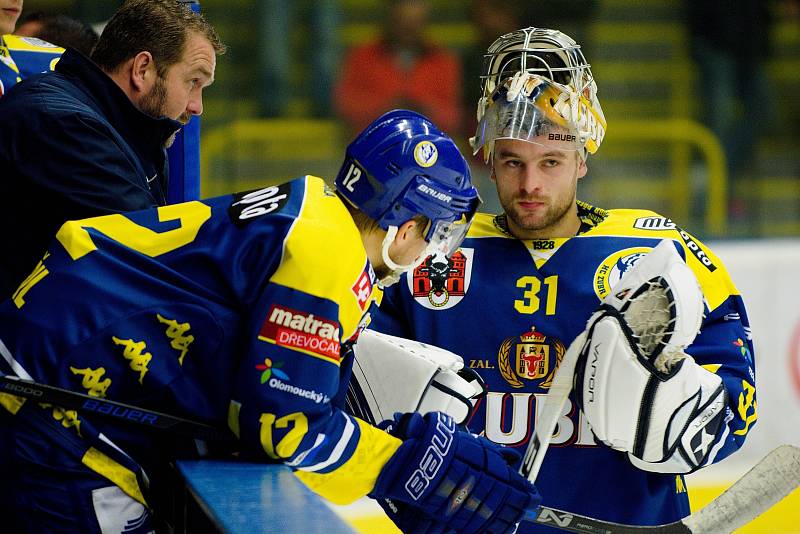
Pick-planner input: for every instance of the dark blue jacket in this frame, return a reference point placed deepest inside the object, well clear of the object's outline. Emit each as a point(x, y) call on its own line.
point(72, 145)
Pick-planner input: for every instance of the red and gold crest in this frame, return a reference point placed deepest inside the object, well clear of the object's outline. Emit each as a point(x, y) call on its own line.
point(535, 357)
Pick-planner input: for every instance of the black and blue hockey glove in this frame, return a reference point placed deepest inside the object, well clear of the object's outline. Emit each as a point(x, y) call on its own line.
point(456, 480)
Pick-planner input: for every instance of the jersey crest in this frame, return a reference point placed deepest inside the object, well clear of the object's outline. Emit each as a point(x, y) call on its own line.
point(530, 356)
point(439, 283)
point(614, 266)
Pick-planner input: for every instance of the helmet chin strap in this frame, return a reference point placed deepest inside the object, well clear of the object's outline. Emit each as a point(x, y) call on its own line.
point(395, 269)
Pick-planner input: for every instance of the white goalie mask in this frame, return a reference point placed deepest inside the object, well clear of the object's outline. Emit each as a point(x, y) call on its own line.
point(538, 87)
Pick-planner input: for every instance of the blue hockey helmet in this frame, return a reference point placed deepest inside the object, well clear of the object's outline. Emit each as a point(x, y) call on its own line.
point(401, 166)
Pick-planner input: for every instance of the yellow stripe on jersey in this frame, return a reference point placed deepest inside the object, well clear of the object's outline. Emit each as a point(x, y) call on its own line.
point(707, 267)
point(75, 238)
point(113, 471)
point(27, 44)
point(323, 254)
point(483, 226)
point(358, 475)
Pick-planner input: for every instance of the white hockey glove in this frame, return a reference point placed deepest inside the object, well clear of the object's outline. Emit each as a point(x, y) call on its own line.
point(392, 374)
point(640, 391)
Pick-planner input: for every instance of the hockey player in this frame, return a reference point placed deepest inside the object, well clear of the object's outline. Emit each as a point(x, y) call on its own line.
point(235, 310)
point(525, 282)
point(21, 57)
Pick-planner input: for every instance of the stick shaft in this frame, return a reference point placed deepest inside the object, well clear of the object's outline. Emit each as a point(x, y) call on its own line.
point(107, 408)
point(769, 481)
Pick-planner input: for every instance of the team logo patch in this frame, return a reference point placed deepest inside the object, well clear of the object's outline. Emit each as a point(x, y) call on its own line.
point(302, 331)
point(362, 289)
point(426, 154)
point(268, 369)
point(654, 223)
point(439, 283)
point(251, 204)
point(614, 266)
point(530, 356)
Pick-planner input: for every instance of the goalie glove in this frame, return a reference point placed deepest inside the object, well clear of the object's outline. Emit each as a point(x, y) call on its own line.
point(640, 391)
point(392, 374)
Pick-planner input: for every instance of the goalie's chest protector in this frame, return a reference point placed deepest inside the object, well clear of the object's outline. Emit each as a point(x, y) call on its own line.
point(510, 308)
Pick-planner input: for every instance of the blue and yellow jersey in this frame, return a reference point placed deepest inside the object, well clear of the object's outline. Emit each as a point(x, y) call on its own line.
point(21, 57)
point(511, 307)
point(231, 310)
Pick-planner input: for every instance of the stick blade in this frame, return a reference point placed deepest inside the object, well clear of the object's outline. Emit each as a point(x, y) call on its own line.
point(769, 481)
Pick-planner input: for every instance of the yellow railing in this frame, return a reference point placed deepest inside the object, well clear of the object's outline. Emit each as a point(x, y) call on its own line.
point(283, 148)
point(276, 150)
point(683, 133)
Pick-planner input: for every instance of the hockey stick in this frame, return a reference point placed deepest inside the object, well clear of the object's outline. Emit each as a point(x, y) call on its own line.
point(551, 411)
point(766, 483)
point(107, 408)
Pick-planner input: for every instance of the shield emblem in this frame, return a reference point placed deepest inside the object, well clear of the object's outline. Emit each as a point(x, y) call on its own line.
point(439, 283)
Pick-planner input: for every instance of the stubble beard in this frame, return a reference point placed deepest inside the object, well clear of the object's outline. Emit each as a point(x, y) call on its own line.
point(554, 214)
point(154, 103)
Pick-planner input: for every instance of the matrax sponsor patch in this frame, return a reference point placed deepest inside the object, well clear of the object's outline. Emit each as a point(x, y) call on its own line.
point(302, 331)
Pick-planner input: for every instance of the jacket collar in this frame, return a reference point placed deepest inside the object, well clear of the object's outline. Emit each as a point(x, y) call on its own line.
point(146, 131)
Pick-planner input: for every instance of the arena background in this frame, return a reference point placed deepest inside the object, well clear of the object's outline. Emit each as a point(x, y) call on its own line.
point(268, 117)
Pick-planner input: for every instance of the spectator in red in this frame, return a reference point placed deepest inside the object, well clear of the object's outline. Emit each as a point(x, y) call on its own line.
point(401, 69)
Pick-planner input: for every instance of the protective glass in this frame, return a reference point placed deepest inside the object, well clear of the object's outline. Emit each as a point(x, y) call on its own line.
point(444, 237)
point(529, 108)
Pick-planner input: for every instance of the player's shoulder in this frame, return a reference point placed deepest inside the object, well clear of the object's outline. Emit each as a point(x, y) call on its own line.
point(31, 44)
point(634, 223)
point(323, 254)
point(486, 225)
point(707, 267)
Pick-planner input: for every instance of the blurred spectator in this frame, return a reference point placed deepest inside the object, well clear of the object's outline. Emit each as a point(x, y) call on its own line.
point(401, 69)
point(18, 58)
point(730, 43)
point(278, 55)
point(88, 139)
point(60, 30)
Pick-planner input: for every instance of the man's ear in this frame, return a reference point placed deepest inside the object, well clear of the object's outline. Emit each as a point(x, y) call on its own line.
point(408, 230)
point(582, 168)
point(143, 72)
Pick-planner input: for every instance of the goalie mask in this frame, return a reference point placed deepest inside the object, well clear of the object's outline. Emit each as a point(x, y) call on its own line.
point(538, 87)
point(402, 166)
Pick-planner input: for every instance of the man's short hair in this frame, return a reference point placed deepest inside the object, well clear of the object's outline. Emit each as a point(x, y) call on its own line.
point(160, 27)
point(64, 31)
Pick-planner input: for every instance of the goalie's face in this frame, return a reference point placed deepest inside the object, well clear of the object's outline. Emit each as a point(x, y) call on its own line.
point(537, 185)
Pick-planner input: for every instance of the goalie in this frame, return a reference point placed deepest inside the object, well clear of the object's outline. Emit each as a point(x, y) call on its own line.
point(644, 411)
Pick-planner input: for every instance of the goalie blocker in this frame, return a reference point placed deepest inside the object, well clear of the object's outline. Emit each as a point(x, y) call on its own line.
point(641, 393)
point(396, 375)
